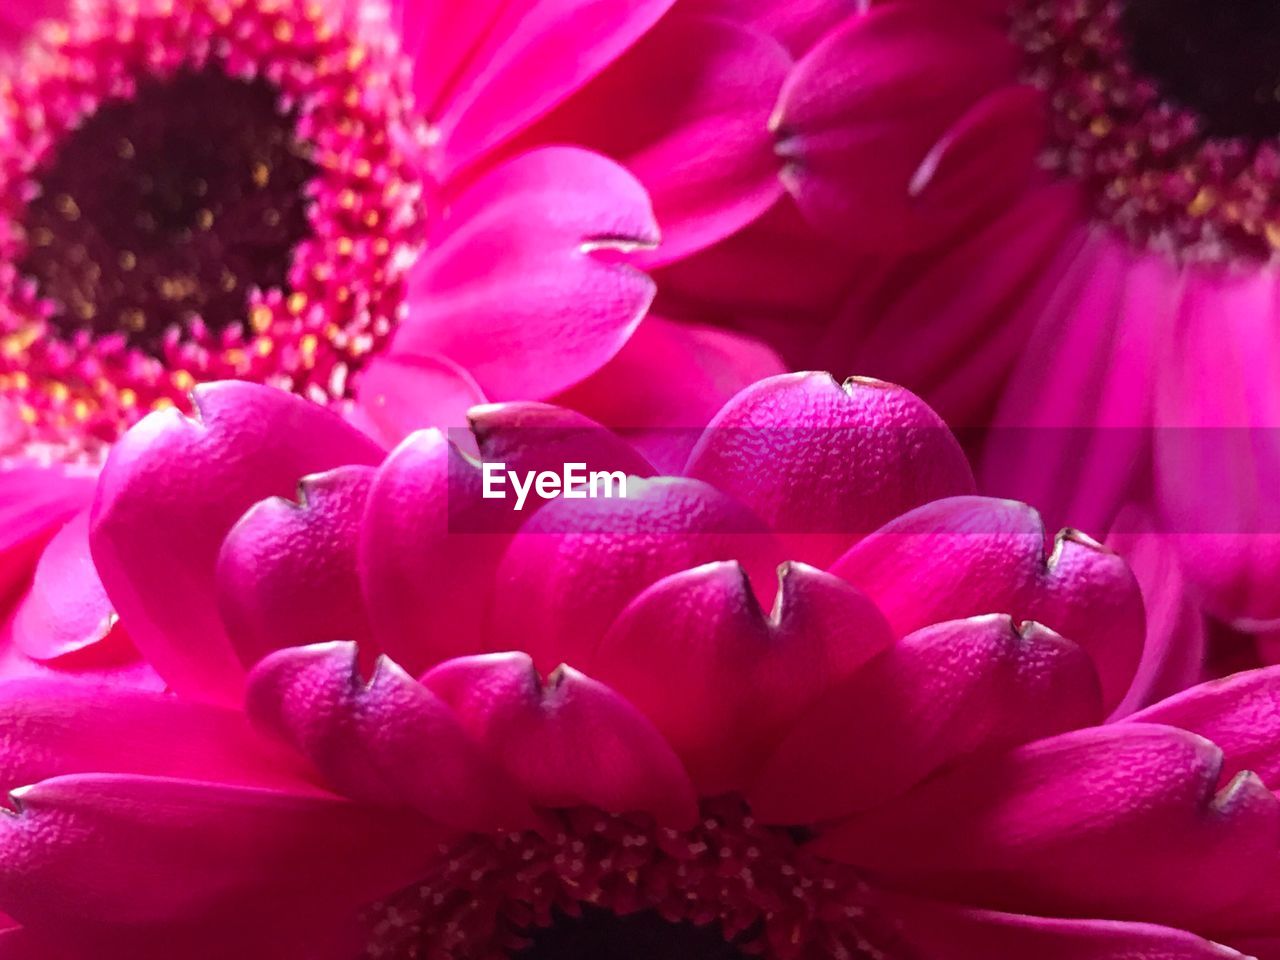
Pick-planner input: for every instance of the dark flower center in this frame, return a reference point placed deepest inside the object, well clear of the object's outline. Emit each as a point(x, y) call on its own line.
point(600, 935)
point(595, 886)
point(1220, 58)
point(168, 206)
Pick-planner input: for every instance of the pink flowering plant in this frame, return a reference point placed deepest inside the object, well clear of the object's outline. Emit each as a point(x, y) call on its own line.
point(405, 720)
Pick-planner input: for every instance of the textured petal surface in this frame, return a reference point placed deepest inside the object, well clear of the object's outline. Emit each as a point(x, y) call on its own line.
point(527, 287)
point(286, 573)
point(720, 678)
point(484, 70)
point(972, 555)
point(127, 849)
point(388, 741)
point(1107, 822)
point(427, 553)
point(567, 741)
point(940, 694)
point(171, 490)
point(577, 563)
point(824, 464)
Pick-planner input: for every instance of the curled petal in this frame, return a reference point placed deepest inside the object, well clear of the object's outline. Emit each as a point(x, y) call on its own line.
point(577, 563)
point(720, 678)
point(286, 574)
point(1104, 822)
point(940, 694)
point(528, 288)
point(172, 488)
point(399, 395)
point(34, 503)
point(388, 741)
point(973, 555)
point(569, 741)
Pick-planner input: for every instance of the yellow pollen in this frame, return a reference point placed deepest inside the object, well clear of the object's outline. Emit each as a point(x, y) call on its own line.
point(128, 398)
point(261, 174)
point(345, 246)
point(264, 346)
point(1272, 230)
point(127, 260)
point(1100, 126)
point(204, 219)
point(21, 381)
point(297, 302)
point(283, 31)
point(1202, 204)
point(67, 206)
point(260, 318)
point(182, 380)
point(161, 403)
point(28, 414)
point(58, 392)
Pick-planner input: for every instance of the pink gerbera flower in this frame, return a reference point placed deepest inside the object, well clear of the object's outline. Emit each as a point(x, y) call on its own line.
point(585, 735)
point(1071, 216)
point(372, 208)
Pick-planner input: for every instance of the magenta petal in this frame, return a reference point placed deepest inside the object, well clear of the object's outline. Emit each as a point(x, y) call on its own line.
point(721, 679)
point(967, 556)
point(539, 436)
point(577, 563)
point(427, 553)
point(567, 741)
point(668, 381)
point(1174, 656)
point(18, 20)
point(1104, 822)
point(57, 726)
point(940, 694)
point(942, 931)
point(864, 108)
point(687, 111)
point(172, 488)
point(388, 741)
point(824, 464)
point(527, 289)
point(286, 573)
point(1241, 714)
point(66, 609)
point(34, 502)
point(398, 395)
point(115, 849)
point(796, 23)
point(485, 71)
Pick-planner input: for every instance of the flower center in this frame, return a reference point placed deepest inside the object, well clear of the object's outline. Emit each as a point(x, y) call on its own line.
point(603, 887)
point(1169, 112)
point(1221, 59)
point(194, 190)
point(166, 207)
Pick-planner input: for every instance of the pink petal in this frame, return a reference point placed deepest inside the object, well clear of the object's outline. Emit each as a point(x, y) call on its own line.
point(387, 741)
point(719, 678)
point(1107, 822)
point(58, 726)
point(538, 436)
point(940, 694)
point(945, 932)
point(428, 549)
point(1175, 653)
point(1079, 400)
point(797, 23)
point(67, 609)
point(527, 289)
point(824, 464)
point(1241, 714)
point(171, 490)
point(577, 563)
point(398, 395)
point(952, 324)
point(863, 109)
point(1217, 455)
point(668, 382)
point(971, 555)
point(34, 503)
point(567, 741)
point(117, 849)
point(485, 72)
point(687, 111)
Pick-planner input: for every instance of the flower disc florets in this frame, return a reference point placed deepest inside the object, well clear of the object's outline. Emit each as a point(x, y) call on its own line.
point(1170, 114)
point(196, 189)
point(596, 884)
